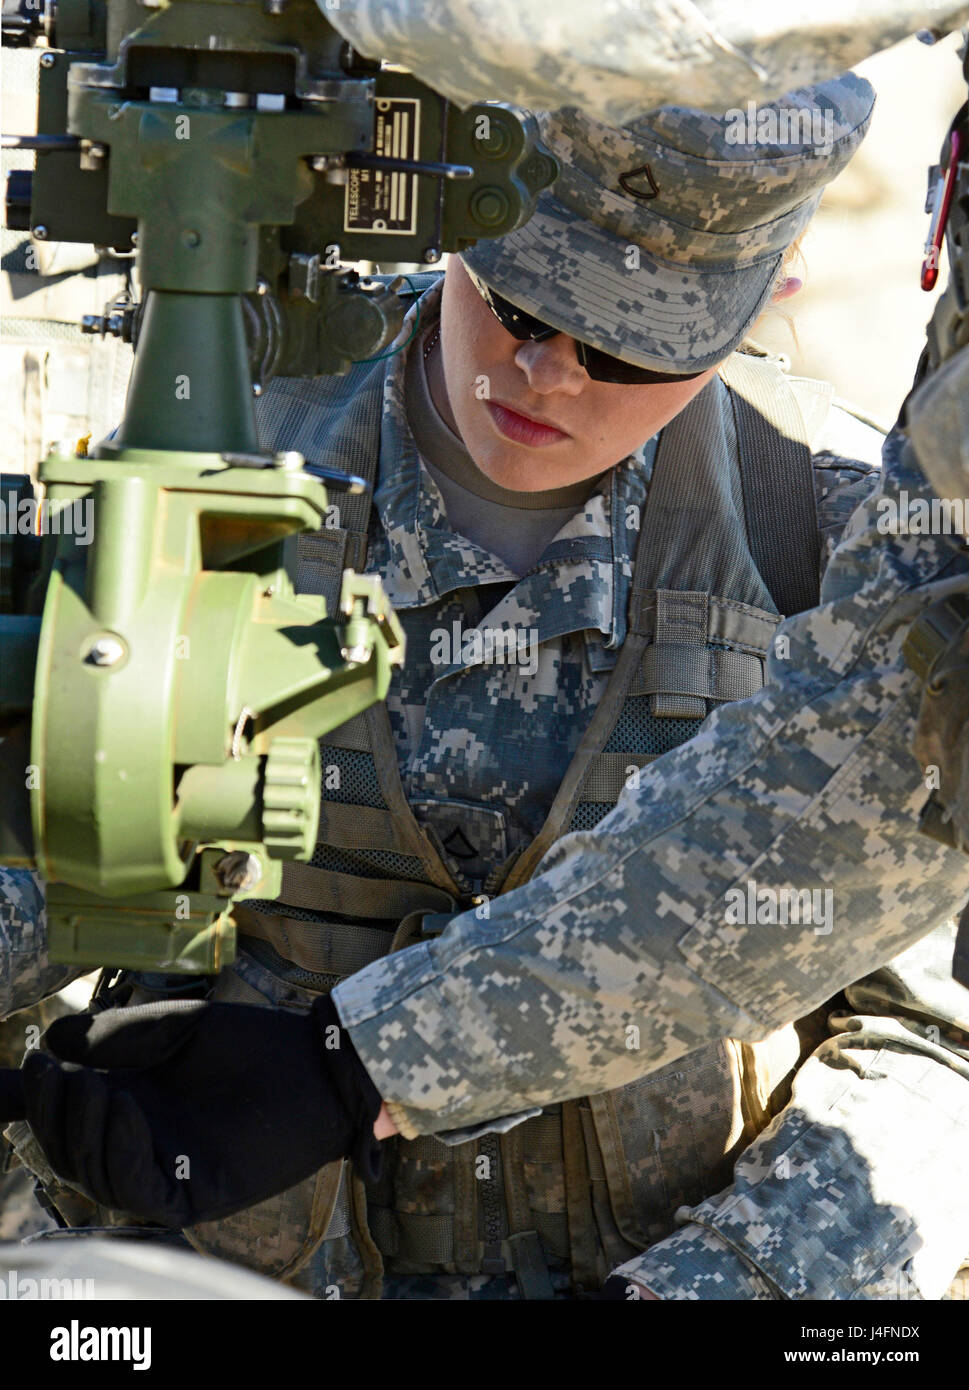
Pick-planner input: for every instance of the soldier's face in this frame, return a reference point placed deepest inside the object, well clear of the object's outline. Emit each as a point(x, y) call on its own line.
point(530, 416)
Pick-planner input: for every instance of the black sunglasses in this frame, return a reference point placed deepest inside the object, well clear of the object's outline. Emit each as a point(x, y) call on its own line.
point(599, 365)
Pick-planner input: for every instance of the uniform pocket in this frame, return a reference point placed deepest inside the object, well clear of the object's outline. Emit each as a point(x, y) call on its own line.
point(670, 1139)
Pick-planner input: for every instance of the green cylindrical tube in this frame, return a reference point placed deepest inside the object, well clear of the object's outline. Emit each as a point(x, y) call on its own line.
point(191, 388)
point(221, 803)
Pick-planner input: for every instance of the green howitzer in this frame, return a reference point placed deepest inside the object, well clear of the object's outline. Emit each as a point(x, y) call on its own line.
point(163, 687)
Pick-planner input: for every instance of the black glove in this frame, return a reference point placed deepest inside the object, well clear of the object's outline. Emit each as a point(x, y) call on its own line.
point(197, 1110)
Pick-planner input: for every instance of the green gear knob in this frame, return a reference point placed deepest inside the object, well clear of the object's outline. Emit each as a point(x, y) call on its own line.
point(291, 797)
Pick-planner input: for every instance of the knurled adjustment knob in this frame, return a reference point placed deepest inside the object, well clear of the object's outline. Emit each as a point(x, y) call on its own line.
point(291, 798)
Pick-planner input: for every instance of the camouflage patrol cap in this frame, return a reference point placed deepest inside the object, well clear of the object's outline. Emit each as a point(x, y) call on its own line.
point(661, 240)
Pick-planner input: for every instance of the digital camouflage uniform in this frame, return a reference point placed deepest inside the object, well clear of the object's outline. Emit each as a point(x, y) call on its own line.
point(527, 1001)
point(854, 1189)
point(617, 60)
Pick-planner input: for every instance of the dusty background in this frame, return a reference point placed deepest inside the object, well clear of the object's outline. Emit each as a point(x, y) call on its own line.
point(860, 319)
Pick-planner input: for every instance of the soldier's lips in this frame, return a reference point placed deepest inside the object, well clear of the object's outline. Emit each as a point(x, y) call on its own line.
point(522, 429)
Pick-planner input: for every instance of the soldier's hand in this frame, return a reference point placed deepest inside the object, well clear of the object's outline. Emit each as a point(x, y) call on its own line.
point(188, 1111)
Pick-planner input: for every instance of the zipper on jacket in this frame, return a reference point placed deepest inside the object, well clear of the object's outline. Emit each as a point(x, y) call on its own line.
point(489, 1192)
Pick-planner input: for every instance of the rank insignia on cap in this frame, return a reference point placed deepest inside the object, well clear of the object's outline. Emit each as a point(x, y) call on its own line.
point(632, 182)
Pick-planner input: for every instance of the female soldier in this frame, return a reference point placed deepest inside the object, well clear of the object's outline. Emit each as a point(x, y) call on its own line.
point(589, 513)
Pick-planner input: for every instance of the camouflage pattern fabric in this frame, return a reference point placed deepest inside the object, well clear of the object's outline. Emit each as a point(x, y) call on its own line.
point(618, 60)
point(661, 242)
point(877, 1119)
point(810, 783)
point(21, 1215)
point(26, 975)
point(419, 559)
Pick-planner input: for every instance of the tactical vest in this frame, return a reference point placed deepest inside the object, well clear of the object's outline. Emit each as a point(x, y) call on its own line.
point(728, 540)
point(730, 520)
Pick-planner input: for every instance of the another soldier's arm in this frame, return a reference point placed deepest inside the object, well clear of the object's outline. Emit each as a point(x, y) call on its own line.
point(857, 1189)
point(26, 975)
point(620, 955)
point(618, 61)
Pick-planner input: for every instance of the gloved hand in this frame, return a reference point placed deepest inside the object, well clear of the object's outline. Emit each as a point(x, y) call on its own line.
point(188, 1111)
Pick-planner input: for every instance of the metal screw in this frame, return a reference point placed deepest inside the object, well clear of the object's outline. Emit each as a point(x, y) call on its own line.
point(106, 651)
point(47, 60)
point(358, 655)
point(134, 238)
point(238, 870)
point(256, 389)
point(432, 254)
point(40, 232)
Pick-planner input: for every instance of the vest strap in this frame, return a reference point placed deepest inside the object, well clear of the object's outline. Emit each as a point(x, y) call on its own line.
point(360, 828)
point(312, 418)
point(322, 948)
point(692, 674)
point(731, 623)
point(352, 735)
point(578, 1200)
point(777, 478)
point(324, 890)
point(607, 775)
point(320, 557)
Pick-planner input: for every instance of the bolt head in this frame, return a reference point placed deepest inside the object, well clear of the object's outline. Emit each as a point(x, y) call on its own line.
point(39, 232)
point(106, 651)
point(47, 60)
point(238, 871)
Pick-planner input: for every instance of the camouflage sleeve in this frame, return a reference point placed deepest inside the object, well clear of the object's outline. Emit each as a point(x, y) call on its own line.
point(26, 975)
point(857, 1189)
point(617, 61)
point(846, 452)
point(665, 923)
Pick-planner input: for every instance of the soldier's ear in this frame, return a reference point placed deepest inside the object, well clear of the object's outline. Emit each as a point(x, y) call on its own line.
point(788, 286)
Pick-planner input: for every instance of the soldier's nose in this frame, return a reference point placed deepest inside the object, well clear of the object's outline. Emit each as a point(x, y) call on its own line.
point(551, 365)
